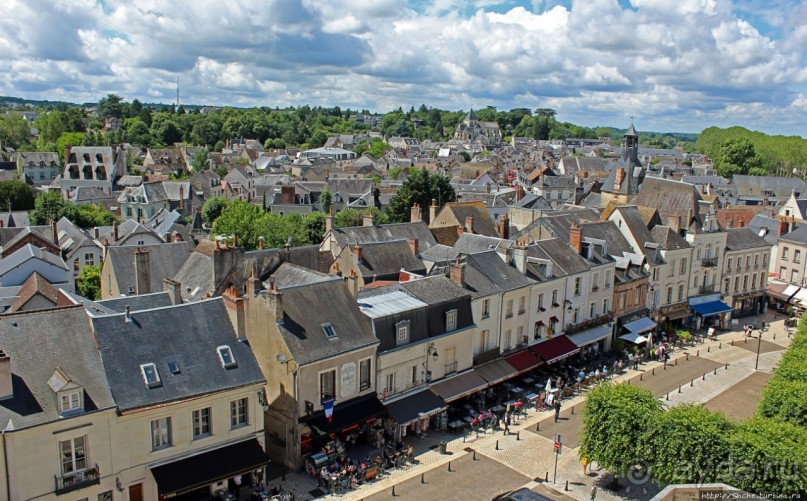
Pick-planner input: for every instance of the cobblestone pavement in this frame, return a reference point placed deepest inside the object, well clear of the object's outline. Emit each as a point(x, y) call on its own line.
point(527, 454)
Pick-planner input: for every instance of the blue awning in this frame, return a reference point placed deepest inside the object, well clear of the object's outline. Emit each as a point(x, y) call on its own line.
point(711, 309)
point(643, 324)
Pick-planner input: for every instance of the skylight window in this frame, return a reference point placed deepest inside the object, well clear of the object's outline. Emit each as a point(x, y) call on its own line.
point(329, 331)
point(174, 367)
point(226, 356)
point(150, 375)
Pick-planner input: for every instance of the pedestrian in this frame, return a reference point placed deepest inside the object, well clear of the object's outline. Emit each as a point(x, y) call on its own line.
point(557, 410)
point(593, 493)
point(506, 423)
point(762, 328)
point(636, 362)
point(584, 460)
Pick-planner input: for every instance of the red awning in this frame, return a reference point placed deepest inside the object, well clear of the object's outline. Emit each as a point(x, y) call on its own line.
point(556, 349)
point(524, 360)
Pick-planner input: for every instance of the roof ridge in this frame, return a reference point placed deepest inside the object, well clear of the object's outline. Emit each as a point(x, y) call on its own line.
point(40, 311)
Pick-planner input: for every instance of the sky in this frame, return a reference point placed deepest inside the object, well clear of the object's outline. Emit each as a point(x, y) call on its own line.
point(672, 65)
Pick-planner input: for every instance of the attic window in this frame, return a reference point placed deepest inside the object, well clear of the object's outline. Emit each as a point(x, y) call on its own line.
point(329, 331)
point(226, 356)
point(174, 368)
point(150, 375)
point(70, 402)
point(131, 289)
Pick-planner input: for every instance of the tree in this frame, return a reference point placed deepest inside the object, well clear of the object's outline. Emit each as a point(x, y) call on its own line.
point(354, 217)
point(89, 282)
point(14, 131)
point(72, 138)
point(244, 220)
point(325, 200)
point(50, 205)
point(200, 160)
point(110, 106)
point(89, 216)
point(15, 195)
point(615, 420)
point(420, 187)
point(213, 208)
point(738, 156)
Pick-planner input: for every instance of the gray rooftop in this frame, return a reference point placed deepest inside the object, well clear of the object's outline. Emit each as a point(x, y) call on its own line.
point(165, 260)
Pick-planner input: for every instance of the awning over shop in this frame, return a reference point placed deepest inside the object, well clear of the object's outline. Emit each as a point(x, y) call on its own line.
point(346, 414)
point(777, 290)
point(496, 371)
point(711, 308)
point(800, 297)
point(643, 324)
point(586, 337)
point(209, 467)
point(634, 338)
point(423, 403)
point(455, 387)
point(524, 360)
point(556, 349)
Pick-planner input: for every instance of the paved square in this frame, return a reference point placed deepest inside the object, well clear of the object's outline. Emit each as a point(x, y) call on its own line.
point(740, 401)
point(764, 347)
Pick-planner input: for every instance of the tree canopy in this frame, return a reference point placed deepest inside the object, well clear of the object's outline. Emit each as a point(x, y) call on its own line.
point(778, 155)
point(51, 205)
point(738, 156)
point(89, 282)
point(420, 187)
point(15, 195)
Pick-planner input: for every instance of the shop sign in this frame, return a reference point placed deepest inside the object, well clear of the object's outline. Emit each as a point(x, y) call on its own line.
point(348, 379)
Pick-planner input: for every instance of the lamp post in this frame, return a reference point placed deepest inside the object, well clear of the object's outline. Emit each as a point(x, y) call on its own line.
point(431, 351)
point(567, 307)
point(759, 344)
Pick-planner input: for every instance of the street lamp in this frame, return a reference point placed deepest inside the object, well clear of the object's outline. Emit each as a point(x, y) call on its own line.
point(568, 305)
point(431, 351)
point(759, 344)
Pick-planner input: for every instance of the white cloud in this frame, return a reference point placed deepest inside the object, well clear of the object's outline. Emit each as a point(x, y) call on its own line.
point(676, 63)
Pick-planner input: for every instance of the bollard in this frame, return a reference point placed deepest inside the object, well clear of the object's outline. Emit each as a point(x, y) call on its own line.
point(449, 466)
point(687, 356)
point(573, 410)
point(715, 371)
point(720, 345)
point(497, 445)
point(774, 335)
point(654, 371)
point(641, 377)
point(727, 366)
point(546, 479)
point(393, 491)
point(475, 455)
point(708, 349)
point(668, 395)
point(518, 435)
point(567, 486)
point(538, 426)
point(732, 342)
point(422, 478)
point(692, 383)
point(464, 436)
point(676, 362)
point(698, 353)
point(704, 376)
point(679, 388)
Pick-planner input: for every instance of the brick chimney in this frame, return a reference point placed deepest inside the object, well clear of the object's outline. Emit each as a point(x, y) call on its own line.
point(576, 237)
point(329, 222)
point(253, 285)
point(469, 224)
point(415, 213)
point(142, 272)
point(67, 149)
point(54, 232)
point(357, 252)
point(783, 226)
point(369, 219)
point(504, 227)
point(618, 178)
point(174, 290)
point(181, 198)
point(274, 299)
point(235, 310)
point(413, 245)
point(457, 272)
point(520, 258)
point(6, 388)
point(115, 228)
point(519, 192)
point(433, 210)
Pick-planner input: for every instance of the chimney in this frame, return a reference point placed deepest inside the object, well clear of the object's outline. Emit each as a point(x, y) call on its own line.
point(353, 283)
point(174, 290)
point(181, 198)
point(457, 272)
point(96, 233)
point(6, 388)
point(520, 258)
point(460, 230)
point(504, 227)
point(54, 232)
point(469, 224)
point(576, 237)
point(675, 223)
point(142, 272)
point(368, 219)
point(67, 149)
point(235, 310)
point(620, 175)
point(413, 245)
point(783, 226)
point(329, 222)
point(357, 252)
point(225, 260)
point(115, 227)
point(415, 213)
point(274, 298)
point(729, 223)
point(127, 316)
point(433, 210)
point(519, 192)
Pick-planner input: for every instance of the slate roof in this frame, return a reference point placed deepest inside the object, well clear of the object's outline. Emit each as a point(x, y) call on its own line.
point(637, 228)
point(557, 224)
point(138, 302)
point(670, 198)
point(434, 290)
point(744, 238)
point(290, 275)
point(667, 239)
point(26, 252)
point(607, 231)
point(387, 258)
point(24, 232)
point(565, 261)
point(755, 186)
point(765, 227)
point(483, 224)
point(165, 260)
point(196, 330)
point(38, 343)
point(151, 193)
point(196, 276)
point(307, 307)
point(35, 284)
point(486, 273)
point(798, 235)
point(534, 202)
point(378, 233)
point(17, 219)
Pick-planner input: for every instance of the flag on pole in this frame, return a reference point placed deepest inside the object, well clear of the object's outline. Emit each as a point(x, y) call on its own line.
point(328, 405)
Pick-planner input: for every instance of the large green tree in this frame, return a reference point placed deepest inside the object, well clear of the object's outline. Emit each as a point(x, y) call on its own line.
point(14, 131)
point(112, 106)
point(213, 208)
point(15, 195)
point(89, 282)
point(738, 156)
point(420, 187)
point(244, 220)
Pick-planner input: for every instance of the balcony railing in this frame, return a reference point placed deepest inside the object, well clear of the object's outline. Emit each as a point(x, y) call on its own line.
point(487, 356)
point(78, 480)
point(589, 324)
point(451, 368)
point(708, 262)
point(706, 289)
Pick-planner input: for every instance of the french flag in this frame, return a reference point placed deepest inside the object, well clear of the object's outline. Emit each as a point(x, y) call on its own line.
point(328, 405)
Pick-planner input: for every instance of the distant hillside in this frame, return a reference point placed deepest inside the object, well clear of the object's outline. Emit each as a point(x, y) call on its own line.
point(780, 154)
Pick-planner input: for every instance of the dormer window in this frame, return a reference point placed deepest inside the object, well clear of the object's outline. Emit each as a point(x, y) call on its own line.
point(70, 402)
point(150, 375)
point(451, 320)
point(69, 395)
point(226, 356)
point(329, 331)
point(402, 336)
